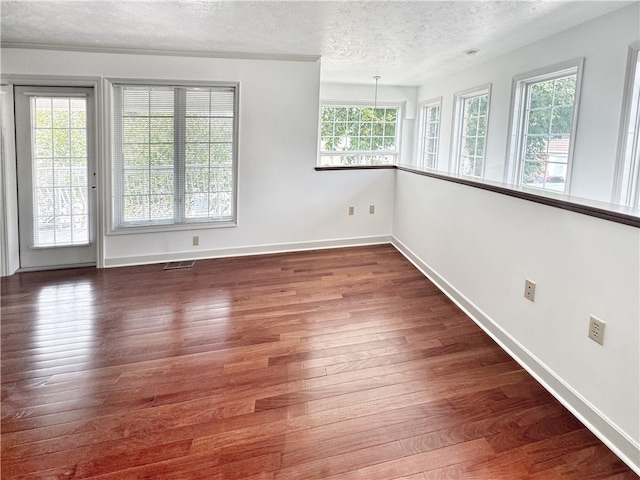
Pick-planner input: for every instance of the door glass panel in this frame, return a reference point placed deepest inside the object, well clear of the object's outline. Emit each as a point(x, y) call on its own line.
point(60, 183)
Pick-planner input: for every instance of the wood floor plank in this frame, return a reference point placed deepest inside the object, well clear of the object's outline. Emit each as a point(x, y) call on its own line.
point(340, 364)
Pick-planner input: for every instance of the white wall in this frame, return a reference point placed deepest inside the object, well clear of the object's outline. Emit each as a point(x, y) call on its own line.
point(479, 246)
point(283, 204)
point(603, 43)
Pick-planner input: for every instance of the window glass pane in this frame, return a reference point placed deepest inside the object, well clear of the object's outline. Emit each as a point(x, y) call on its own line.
point(471, 128)
point(431, 126)
point(161, 207)
point(160, 154)
point(136, 207)
point(147, 144)
point(361, 131)
point(197, 129)
point(547, 119)
point(59, 134)
point(221, 153)
point(161, 130)
point(214, 146)
point(561, 120)
point(221, 130)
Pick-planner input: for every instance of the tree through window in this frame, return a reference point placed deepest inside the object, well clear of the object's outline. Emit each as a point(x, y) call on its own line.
point(544, 116)
point(352, 135)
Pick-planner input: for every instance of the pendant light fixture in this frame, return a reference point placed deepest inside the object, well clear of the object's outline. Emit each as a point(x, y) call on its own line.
point(373, 115)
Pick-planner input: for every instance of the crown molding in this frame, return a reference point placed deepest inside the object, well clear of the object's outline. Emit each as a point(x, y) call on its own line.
point(285, 57)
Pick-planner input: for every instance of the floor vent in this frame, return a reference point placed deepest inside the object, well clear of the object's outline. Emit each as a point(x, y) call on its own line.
point(183, 264)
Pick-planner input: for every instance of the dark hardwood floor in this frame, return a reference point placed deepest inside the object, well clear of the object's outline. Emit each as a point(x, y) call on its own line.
point(332, 364)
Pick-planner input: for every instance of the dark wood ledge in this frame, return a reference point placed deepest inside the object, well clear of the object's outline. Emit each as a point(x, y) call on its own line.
point(606, 211)
point(356, 167)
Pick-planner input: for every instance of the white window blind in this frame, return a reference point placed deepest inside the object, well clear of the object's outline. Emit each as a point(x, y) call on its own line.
point(174, 155)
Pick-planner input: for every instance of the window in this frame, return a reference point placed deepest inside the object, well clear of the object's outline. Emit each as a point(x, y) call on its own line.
point(359, 135)
point(429, 133)
point(174, 155)
point(59, 171)
point(470, 133)
point(545, 106)
point(627, 190)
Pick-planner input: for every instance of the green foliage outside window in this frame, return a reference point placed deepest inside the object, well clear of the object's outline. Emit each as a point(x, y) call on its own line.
point(548, 123)
point(359, 134)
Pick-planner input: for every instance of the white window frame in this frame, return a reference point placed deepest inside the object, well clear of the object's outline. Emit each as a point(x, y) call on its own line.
point(459, 101)
point(424, 123)
point(361, 154)
point(520, 85)
point(627, 179)
point(113, 224)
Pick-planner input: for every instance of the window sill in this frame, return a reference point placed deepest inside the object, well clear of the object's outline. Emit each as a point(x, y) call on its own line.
point(171, 227)
point(606, 211)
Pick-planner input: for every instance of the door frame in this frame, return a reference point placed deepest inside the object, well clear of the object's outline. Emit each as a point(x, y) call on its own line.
point(7, 237)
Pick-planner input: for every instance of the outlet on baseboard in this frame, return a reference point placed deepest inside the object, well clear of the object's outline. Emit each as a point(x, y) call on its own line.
point(196, 240)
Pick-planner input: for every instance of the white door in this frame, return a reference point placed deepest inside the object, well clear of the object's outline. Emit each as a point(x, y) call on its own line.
point(55, 152)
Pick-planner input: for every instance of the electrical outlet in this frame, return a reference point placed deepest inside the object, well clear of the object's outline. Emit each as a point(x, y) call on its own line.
point(529, 290)
point(351, 210)
point(596, 329)
point(372, 209)
point(196, 240)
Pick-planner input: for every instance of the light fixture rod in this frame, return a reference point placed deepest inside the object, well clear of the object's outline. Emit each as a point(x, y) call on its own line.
point(373, 116)
point(375, 97)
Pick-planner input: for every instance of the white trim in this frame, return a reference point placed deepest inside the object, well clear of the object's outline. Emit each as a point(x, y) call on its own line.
point(77, 81)
point(363, 103)
point(247, 250)
point(626, 448)
point(171, 53)
point(56, 267)
point(110, 214)
point(620, 194)
point(9, 261)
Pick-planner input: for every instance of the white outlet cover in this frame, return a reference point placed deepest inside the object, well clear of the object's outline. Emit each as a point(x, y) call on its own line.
point(529, 290)
point(596, 329)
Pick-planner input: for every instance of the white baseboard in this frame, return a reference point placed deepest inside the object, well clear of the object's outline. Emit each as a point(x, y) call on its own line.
point(626, 448)
point(244, 251)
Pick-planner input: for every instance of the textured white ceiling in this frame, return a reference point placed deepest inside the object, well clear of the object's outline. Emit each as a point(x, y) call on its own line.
point(404, 42)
